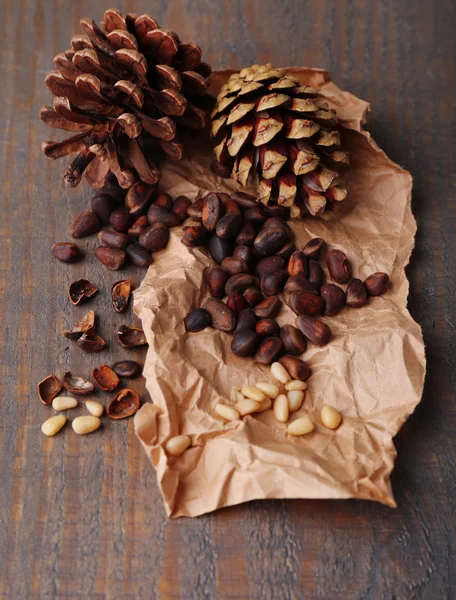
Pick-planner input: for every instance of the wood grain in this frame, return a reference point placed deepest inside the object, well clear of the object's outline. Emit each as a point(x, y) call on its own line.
point(82, 518)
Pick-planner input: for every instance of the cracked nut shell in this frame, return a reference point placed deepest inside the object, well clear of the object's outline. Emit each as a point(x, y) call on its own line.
point(130, 337)
point(314, 248)
point(81, 290)
point(125, 404)
point(77, 385)
point(83, 325)
point(91, 341)
point(48, 388)
point(105, 378)
point(120, 295)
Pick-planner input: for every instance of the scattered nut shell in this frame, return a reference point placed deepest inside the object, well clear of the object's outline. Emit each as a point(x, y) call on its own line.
point(247, 407)
point(48, 389)
point(95, 408)
point(331, 417)
point(301, 426)
point(64, 403)
point(105, 378)
point(125, 404)
point(226, 412)
point(252, 392)
point(178, 444)
point(279, 372)
point(120, 295)
point(83, 325)
point(130, 337)
point(85, 424)
point(53, 425)
point(81, 290)
point(271, 390)
point(77, 385)
point(90, 341)
point(281, 409)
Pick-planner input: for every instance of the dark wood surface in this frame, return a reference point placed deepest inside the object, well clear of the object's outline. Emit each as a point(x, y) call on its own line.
point(82, 517)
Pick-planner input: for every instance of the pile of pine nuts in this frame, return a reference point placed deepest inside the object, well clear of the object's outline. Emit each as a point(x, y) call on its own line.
point(81, 425)
point(262, 396)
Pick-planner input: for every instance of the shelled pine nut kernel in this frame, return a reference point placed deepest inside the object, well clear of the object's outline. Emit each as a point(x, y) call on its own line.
point(271, 390)
point(252, 392)
point(227, 412)
point(279, 372)
point(331, 417)
point(53, 425)
point(85, 424)
point(264, 405)
point(95, 408)
point(236, 396)
point(247, 407)
point(296, 384)
point(178, 444)
point(295, 399)
point(281, 409)
point(64, 403)
point(301, 426)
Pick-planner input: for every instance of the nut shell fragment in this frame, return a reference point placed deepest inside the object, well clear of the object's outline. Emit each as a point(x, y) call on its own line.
point(105, 378)
point(125, 404)
point(130, 337)
point(91, 341)
point(77, 385)
point(81, 290)
point(48, 389)
point(83, 325)
point(120, 294)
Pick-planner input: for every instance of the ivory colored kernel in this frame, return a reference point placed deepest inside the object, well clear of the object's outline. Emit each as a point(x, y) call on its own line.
point(264, 405)
point(53, 425)
point(252, 392)
point(64, 403)
point(301, 426)
point(85, 424)
point(279, 372)
point(247, 407)
point(227, 412)
point(178, 444)
point(95, 408)
point(281, 410)
point(271, 390)
point(331, 417)
point(236, 396)
point(295, 384)
point(295, 398)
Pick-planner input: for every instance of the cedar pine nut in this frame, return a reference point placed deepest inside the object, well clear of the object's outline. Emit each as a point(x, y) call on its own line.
point(178, 444)
point(264, 405)
point(295, 398)
point(331, 417)
point(252, 392)
point(85, 424)
point(53, 425)
point(301, 426)
point(95, 408)
point(64, 403)
point(281, 409)
point(295, 384)
point(236, 396)
point(247, 407)
point(226, 412)
point(279, 372)
point(270, 390)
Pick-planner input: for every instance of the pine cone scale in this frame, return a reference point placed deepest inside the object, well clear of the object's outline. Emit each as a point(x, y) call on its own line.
point(125, 86)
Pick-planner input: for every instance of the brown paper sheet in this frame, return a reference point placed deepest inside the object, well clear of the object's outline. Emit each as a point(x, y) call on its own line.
point(372, 370)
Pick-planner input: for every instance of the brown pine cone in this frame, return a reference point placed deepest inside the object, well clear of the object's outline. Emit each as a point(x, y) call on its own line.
point(128, 89)
point(267, 123)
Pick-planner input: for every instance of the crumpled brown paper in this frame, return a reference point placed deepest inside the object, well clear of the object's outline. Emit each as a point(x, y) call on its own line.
point(372, 370)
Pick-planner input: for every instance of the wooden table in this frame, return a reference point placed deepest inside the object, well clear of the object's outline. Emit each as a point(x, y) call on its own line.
point(82, 517)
